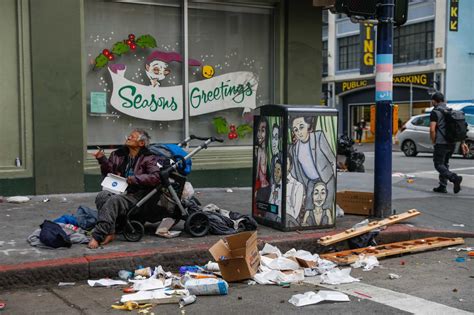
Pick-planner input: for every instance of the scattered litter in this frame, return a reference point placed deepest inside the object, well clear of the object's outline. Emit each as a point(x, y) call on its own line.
point(2, 305)
point(282, 263)
point(144, 296)
point(63, 199)
point(311, 297)
point(125, 274)
point(46, 200)
point(65, 284)
point(460, 249)
point(470, 254)
point(366, 261)
point(402, 262)
point(338, 276)
point(229, 190)
point(270, 249)
point(130, 306)
point(362, 294)
point(149, 284)
point(459, 225)
point(212, 266)
point(145, 272)
point(393, 276)
point(105, 282)
point(207, 286)
point(251, 282)
point(269, 276)
point(460, 259)
point(455, 290)
point(339, 212)
point(186, 300)
point(308, 272)
point(18, 199)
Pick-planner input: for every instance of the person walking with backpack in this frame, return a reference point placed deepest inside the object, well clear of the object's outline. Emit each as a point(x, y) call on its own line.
point(446, 128)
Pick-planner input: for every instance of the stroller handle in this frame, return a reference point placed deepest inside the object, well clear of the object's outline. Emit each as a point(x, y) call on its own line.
point(194, 137)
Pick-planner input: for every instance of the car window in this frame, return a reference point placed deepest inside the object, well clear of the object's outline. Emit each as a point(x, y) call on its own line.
point(470, 119)
point(417, 121)
point(425, 121)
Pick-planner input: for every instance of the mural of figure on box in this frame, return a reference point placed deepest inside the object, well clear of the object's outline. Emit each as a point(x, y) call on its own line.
point(275, 196)
point(262, 184)
point(318, 215)
point(314, 160)
point(294, 196)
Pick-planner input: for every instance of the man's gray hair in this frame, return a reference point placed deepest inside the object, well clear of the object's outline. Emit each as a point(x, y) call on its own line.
point(144, 136)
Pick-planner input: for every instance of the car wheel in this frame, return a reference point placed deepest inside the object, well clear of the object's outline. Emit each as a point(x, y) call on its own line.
point(409, 148)
point(470, 153)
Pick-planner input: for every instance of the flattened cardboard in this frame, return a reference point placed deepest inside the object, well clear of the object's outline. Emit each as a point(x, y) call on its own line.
point(306, 263)
point(237, 256)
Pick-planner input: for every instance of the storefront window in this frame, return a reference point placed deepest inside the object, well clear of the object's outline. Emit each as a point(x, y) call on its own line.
point(225, 40)
point(107, 23)
point(230, 70)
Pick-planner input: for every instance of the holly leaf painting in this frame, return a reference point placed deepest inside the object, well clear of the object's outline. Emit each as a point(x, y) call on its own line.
point(101, 61)
point(244, 130)
point(120, 48)
point(221, 125)
point(146, 41)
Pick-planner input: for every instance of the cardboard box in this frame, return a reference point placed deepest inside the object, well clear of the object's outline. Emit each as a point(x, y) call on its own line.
point(355, 202)
point(237, 256)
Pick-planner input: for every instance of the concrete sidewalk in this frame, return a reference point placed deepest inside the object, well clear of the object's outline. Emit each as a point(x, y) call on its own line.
point(23, 265)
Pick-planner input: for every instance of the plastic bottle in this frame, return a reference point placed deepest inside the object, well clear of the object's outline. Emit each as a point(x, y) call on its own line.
point(125, 274)
point(207, 286)
point(184, 269)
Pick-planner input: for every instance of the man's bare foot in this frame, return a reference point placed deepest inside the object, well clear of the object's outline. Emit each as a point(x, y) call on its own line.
point(93, 244)
point(109, 238)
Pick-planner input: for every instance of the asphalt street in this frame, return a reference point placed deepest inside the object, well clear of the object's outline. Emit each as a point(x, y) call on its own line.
point(430, 282)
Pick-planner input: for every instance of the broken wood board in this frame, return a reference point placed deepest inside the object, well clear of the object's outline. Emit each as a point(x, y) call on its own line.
point(331, 239)
point(350, 256)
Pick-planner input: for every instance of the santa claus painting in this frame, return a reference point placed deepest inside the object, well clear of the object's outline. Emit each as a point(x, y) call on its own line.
point(157, 65)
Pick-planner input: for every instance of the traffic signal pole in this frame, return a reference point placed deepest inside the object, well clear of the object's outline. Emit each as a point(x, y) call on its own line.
point(384, 98)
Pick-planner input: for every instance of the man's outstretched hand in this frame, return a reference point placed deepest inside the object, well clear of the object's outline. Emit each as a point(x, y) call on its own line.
point(99, 154)
point(465, 149)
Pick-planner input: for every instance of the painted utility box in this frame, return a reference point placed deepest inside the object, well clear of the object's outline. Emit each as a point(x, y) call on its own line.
point(294, 167)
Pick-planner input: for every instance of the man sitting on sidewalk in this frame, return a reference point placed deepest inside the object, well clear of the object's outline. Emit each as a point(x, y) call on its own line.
point(136, 163)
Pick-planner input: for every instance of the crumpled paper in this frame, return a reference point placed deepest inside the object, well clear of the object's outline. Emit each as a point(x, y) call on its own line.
point(338, 276)
point(366, 261)
point(311, 297)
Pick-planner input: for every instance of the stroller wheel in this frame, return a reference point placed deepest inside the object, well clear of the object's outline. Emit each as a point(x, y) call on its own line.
point(197, 224)
point(133, 231)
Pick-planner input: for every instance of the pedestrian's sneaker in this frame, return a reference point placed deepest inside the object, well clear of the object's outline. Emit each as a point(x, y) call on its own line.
point(457, 184)
point(440, 189)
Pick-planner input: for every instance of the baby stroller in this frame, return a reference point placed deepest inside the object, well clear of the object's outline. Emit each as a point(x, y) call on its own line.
point(173, 178)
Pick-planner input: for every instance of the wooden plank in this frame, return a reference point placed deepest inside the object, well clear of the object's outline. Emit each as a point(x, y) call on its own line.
point(349, 256)
point(331, 239)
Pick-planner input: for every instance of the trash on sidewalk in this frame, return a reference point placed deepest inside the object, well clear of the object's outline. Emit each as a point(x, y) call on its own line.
point(18, 199)
point(331, 239)
point(125, 274)
point(66, 284)
point(105, 282)
point(237, 256)
point(460, 249)
point(163, 230)
point(229, 190)
point(145, 272)
point(207, 286)
point(393, 276)
point(311, 297)
point(459, 225)
point(186, 300)
point(338, 276)
point(130, 306)
point(3, 305)
point(350, 256)
point(368, 262)
point(155, 296)
point(150, 284)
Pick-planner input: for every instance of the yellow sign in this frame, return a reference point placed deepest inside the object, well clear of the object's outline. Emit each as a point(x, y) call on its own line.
point(453, 15)
point(350, 85)
point(369, 44)
point(418, 79)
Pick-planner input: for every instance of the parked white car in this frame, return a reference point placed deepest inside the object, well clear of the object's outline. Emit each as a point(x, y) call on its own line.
point(414, 136)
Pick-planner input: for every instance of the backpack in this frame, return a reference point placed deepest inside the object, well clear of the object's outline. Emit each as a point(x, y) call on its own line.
point(456, 126)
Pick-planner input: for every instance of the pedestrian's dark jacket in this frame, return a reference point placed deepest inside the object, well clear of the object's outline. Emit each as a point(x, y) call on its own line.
point(146, 171)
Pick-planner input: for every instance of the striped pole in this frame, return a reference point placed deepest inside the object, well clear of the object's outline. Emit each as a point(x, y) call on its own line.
point(383, 116)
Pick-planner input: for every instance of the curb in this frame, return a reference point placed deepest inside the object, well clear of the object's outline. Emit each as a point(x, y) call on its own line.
point(98, 266)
